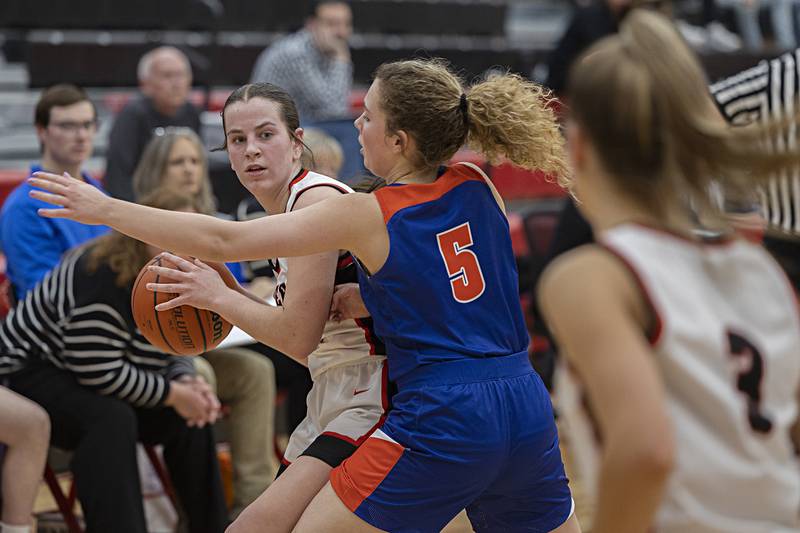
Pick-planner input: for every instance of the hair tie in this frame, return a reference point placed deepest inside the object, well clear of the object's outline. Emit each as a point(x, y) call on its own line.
point(464, 107)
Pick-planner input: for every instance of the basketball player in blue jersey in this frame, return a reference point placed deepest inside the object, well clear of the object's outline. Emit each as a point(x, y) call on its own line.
point(687, 346)
point(472, 425)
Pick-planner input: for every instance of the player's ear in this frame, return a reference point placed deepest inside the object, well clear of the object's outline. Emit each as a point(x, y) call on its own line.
point(297, 143)
point(400, 141)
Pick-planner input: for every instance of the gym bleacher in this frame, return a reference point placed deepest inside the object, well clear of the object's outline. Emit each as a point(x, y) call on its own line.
point(97, 44)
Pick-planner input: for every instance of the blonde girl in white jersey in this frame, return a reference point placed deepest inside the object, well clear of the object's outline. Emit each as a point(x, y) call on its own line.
point(349, 397)
point(689, 349)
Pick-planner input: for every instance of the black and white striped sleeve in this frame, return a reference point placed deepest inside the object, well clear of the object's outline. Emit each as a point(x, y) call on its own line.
point(32, 329)
point(769, 91)
point(99, 351)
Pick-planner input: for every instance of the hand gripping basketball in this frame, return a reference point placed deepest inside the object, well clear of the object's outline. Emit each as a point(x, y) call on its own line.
point(181, 325)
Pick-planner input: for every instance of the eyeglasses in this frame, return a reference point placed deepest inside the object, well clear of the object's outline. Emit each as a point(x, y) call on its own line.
point(172, 130)
point(73, 127)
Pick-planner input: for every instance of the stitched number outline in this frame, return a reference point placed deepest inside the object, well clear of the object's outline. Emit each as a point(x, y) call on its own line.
point(463, 268)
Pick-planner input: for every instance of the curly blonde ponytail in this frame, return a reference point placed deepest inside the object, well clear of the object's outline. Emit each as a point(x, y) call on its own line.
point(502, 117)
point(512, 118)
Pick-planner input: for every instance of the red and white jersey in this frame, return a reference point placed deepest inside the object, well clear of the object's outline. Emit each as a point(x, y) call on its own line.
point(727, 345)
point(342, 343)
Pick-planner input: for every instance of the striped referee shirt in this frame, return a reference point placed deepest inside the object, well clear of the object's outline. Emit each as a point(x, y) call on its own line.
point(768, 91)
point(81, 322)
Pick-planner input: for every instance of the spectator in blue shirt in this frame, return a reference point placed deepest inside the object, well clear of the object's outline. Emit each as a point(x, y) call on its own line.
point(66, 123)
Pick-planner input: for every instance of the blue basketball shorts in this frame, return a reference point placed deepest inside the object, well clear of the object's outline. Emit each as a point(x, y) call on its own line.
point(474, 434)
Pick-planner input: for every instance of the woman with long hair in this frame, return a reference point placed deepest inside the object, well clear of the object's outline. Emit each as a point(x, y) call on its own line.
point(77, 352)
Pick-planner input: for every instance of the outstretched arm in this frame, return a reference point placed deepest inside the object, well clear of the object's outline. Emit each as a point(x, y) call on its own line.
point(352, 222)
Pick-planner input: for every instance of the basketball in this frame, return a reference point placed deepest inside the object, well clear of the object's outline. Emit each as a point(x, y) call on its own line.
point(184, 330)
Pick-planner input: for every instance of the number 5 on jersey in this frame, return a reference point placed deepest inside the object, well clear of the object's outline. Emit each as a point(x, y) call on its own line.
point(463, 269)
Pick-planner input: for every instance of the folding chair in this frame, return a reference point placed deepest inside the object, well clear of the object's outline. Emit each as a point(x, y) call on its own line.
point(66, 502)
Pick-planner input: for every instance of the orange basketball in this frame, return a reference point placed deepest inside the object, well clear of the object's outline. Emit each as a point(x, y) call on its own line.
point(184, 330)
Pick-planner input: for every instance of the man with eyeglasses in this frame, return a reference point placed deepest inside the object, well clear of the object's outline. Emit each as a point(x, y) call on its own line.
point(165, 84)
point(66, 123)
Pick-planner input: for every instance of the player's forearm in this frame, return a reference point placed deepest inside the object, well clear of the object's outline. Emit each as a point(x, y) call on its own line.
point(250, 295)
point(191, 234)
point(630, 488)
point(265, 323)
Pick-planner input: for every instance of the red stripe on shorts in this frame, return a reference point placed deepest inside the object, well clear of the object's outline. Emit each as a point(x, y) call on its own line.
point(361, 473)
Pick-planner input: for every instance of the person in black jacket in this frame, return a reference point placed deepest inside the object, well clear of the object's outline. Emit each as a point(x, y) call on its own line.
point(165, 81)
point(72, 347)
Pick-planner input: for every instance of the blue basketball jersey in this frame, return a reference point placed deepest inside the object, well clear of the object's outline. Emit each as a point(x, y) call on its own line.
point(449, 287)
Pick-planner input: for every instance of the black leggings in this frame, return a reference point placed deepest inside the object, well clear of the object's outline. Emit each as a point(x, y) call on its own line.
point(102, 431)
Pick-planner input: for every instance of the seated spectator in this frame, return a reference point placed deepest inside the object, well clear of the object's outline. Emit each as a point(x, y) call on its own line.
point(25, 432)
point(66, 123)
point(245, 380)
point(324, 153)
point(80, 356)
point(165, 80)
point(313, 65)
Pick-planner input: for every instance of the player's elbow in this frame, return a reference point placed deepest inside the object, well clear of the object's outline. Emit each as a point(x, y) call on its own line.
point(299, 349)
point(659, 461)
point(653, 453)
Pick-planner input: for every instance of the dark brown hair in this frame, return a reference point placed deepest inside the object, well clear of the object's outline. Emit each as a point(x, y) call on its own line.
point(314, 5)
point(504, 116)
point(61, 95)
point(267, 91)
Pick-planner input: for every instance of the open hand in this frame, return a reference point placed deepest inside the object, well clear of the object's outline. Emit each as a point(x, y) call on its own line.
point(79, 201)
point(195, 283)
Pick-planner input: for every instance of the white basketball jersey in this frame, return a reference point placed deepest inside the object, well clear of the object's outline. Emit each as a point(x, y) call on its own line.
point(728, 350)
point(342, 343)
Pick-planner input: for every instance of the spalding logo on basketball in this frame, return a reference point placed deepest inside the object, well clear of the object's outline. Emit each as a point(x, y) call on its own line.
point(184, 330)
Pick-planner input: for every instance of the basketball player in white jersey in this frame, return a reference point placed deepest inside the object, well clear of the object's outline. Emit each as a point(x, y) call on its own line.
point(689, 348)
point(349, 397)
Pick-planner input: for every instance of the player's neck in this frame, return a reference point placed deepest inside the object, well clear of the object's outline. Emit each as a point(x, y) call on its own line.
point(274, 197)
point(51, 165)
point(606, 208)
point(409, 176)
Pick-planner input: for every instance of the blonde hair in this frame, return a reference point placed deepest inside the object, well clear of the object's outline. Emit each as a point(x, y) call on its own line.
point(152, 167)
point(321, 151)
point(126, 256)
point(642, 99)
point(504, 116)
